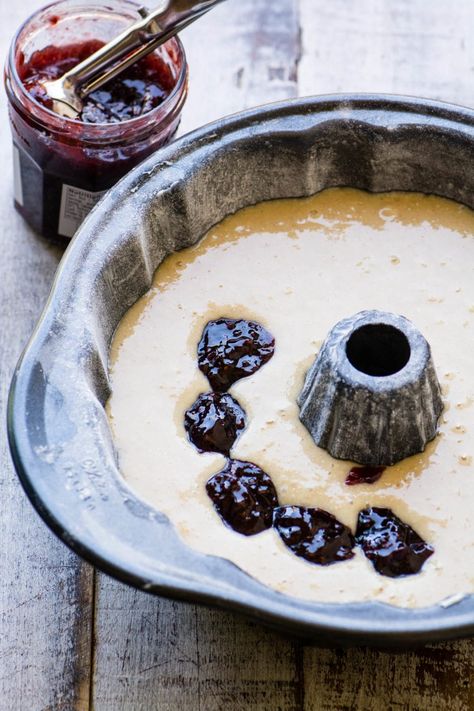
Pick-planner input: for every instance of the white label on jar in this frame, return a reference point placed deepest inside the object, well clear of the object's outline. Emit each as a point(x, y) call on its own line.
point(76, 204)
point(17, 185)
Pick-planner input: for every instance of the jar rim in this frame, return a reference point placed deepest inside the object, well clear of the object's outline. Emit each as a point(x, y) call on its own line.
point(54, 121)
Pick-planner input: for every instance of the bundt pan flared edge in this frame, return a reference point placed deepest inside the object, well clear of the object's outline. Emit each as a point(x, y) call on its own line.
point(58, 431)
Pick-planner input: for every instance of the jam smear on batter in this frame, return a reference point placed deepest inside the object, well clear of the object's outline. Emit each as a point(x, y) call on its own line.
point(136, 91)
point(364, 475)
point(214, 422)
point(394, 548)
point(244, 497)
point(231, 349)
point(314, 534)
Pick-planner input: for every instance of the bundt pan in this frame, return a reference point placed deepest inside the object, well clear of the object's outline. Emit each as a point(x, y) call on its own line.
point(58, 431)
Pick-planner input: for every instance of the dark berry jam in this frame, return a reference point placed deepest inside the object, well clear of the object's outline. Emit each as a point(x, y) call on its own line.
point(314, 534)
point(364, 475)
point(231, 349)
point(138, 90)
point(394, 548)
point(62, 166)
point(214, 422)
point(244, 497)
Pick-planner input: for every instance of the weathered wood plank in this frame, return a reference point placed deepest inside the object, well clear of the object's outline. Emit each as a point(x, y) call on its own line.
point(397, 46)
point(154, 653)
point(243, 666)
point(243, 53)
point(45, 594)
point(146, 653)
point(437, 677)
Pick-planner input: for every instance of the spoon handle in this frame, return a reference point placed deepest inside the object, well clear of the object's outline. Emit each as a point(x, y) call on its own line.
point(153, 29)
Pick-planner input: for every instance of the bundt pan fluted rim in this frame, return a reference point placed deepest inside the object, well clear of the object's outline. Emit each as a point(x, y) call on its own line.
point(58, 431)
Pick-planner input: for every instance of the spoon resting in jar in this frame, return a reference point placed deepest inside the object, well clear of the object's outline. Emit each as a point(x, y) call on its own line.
point(153, 29)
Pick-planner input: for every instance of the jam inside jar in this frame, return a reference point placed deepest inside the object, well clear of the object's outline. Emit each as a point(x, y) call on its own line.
point(62, 166)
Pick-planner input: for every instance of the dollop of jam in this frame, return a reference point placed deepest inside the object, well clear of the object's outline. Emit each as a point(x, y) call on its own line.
point(394, 548)
point(231, 349)
point(136, 91)
point(214, 422)
point(364, 475)
point(244, 497)
point(314, 534)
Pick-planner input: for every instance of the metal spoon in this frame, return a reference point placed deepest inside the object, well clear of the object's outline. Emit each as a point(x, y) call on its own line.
point(138, 40)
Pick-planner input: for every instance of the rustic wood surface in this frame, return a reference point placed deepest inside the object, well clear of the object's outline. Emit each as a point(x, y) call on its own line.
point(72, 639)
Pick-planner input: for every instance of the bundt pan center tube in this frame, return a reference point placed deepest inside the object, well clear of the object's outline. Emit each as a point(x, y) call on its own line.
point(372, 395)
point(58, 429)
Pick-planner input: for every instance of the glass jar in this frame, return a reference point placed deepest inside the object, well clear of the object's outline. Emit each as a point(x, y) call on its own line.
point(62, 166)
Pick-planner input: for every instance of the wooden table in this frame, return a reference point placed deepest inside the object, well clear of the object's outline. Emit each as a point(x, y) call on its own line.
point(73, 639)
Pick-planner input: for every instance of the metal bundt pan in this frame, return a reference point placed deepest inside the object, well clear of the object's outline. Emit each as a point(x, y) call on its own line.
point(58, 431)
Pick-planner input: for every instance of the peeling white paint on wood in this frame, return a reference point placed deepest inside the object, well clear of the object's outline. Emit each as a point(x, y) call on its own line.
point(243, 53)
point(409, 47)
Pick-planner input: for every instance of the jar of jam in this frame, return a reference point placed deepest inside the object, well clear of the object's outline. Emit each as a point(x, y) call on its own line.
point(62, 166)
